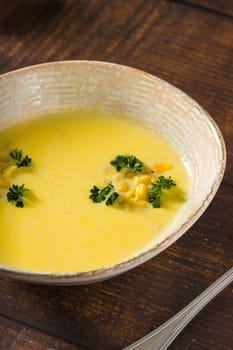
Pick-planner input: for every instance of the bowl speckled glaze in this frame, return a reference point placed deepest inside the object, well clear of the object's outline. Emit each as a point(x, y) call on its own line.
point(70, 85)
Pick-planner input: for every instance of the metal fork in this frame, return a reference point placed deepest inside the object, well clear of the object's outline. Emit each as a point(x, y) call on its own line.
point(163, 336)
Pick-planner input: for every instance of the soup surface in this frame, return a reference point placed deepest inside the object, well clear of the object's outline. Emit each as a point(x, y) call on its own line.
point(60, 229)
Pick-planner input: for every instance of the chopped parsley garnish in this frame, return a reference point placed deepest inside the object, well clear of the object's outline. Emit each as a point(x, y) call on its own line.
point(107, 194)
point(21, 161)
point(156, 190)
point(129, 162)
point(16, 194)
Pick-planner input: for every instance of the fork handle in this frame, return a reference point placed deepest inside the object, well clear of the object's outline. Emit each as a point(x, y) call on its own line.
point(162, 337)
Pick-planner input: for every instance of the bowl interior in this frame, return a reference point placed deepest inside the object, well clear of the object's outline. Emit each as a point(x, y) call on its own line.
point(87, 85)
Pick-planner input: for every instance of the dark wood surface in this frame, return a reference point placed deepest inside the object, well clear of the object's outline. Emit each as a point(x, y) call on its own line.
point(222, 6)
point(190, 44)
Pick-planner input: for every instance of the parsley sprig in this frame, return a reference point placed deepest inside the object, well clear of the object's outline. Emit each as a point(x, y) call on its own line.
point(107, 194)
point(152, 193)
point(21, 161)
point(16, 194)
point(129, 162)
point(157, 189)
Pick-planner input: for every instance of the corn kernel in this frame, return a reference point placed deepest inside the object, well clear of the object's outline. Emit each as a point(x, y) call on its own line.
point(141, 192)
point(10, 170)
point(131, 201)
point(123, 187)
point(153, 179)
point(144, 179)
point(131, 193)
point(162, 167)
point(4, 183)
point(136, 179)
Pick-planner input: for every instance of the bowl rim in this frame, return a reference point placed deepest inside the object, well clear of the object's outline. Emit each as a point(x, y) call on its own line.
point(109, 272)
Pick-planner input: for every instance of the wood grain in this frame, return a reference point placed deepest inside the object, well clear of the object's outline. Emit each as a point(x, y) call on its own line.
point(15, 336)
point(192, 48)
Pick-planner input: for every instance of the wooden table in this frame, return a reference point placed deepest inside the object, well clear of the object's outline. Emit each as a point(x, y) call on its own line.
point(190, 44)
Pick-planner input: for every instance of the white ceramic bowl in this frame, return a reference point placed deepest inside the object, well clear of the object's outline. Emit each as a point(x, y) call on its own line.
point(71, 85)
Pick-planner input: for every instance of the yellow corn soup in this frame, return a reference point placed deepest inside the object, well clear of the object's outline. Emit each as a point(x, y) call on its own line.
point(60, 229)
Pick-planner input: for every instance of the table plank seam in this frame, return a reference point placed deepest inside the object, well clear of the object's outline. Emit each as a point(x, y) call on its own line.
point(202, 7)
point(28, 326)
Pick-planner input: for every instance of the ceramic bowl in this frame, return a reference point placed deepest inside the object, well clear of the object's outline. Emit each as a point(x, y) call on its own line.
point(70, 85)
